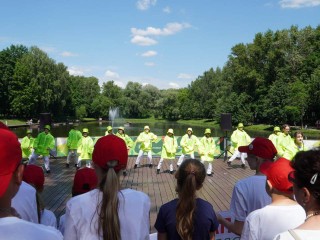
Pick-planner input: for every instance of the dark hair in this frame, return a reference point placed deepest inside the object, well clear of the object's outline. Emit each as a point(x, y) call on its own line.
point(285, 125)
point(296, 134)
point(190, 177)
point(109, 223)
point(307, 171)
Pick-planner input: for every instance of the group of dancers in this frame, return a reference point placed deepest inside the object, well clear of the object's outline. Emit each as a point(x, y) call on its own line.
point(80, 146)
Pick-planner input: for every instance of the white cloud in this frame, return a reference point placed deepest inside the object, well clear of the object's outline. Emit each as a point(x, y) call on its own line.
point(48, 49)
point(145, 4)
point(185, 76)
point(68, 54)
point(167, 9)
point(111, 75)
point(120, 84)
point(149, 54)
point(169, 29)
point(149, 64)
point(174, 85)
point(76, 71)
point(299, 3)
point(143, 41)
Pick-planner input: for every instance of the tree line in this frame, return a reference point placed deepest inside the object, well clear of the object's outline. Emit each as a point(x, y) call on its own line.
point(272, 80)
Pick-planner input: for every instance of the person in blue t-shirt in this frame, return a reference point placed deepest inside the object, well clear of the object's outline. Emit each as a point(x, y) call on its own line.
point(187, 217)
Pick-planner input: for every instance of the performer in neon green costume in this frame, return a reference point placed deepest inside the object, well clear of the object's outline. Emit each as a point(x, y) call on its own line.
point(27, 146)
point(85, 148)
point(129, 142)
point(273, 137)
point(169, 149)
point(43, 145)
point(296, 145)
point(146, 138)
point(188, 142)
point(284, 140)
point(239, 138)
point(109, 131)
point(72, 143)
point(206, 150)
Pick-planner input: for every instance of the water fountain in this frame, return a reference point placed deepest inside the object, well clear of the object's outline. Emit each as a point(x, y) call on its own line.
point(113, 114)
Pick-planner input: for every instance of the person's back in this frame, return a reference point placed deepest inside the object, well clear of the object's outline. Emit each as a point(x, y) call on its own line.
point(187, 217)
point(133, 214)
point(13, 228)
point(25, 202)
point(282, 214)
point(108, 212)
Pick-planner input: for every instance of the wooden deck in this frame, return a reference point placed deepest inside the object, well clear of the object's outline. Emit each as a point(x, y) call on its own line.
point(160, 187)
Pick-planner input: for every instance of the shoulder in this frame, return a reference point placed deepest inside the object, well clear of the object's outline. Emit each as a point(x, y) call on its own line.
point(134, 195)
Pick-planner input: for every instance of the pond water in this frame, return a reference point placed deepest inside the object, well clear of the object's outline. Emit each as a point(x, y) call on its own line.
point(133, 129)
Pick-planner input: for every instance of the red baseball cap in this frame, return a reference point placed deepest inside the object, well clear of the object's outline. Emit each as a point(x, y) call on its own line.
point(10, 157)
point(261, 147)
point(84, 181)
point(34, 175)
point(278, 173)
point(110, 148)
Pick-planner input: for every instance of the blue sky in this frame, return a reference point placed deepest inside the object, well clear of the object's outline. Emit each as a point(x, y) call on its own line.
point(166, 43)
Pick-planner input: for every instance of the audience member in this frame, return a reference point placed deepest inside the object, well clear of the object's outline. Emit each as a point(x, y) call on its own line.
point(34, 176)
point(306, 188)
point(84, 181)
point(11, 172)
point(282, 214)
point(108, 212)
point(249, 194)
point(188, 217)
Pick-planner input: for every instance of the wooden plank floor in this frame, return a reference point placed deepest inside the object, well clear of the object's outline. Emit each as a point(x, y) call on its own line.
point(160, 187)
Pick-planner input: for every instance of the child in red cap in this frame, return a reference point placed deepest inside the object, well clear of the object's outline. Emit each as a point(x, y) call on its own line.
point(108, 212)
point(11, 172)
point(34, 176)
point(282, 214)
point(249, 193)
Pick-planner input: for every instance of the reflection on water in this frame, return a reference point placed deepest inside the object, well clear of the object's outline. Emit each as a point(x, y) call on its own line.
point(133, 129)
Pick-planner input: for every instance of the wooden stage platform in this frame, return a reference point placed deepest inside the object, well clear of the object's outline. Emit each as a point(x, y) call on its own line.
point(160, 187)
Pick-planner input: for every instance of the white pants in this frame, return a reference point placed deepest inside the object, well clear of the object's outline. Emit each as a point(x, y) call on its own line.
point(88, 163)
point(209, 169)
point(236, 154)
point(170, 164)
point(181, 158)
point(141, 154)
point(46, 160)
point(72, 154)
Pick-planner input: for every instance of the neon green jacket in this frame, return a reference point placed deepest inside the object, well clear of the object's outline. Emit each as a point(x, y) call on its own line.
point(240, 138)
point(146, 140)
point(274, 138)
point(292, 149)
point(189, 144)
point(283, 142)
point(26, 146)
point(207, 149)
point(129, 142)
point(85, 148)
point(169, 147)
point(73, 139)
point(43, 144)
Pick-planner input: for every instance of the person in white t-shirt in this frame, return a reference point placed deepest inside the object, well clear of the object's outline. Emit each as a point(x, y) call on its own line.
point(11, 172)
point(25, 203)
point(84, 181)
point(34, 175)
point(282, 214)
point(306, 188)
point(249, 194)
point(108, 212)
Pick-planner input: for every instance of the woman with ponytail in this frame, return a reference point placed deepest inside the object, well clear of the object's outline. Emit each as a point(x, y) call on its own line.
point(108, 212)
point(188, 217)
